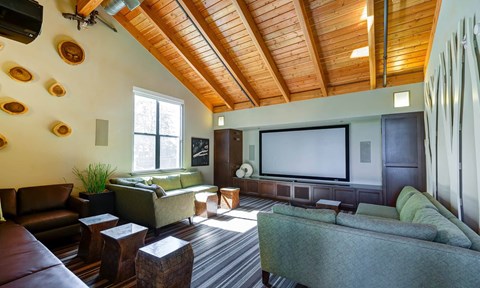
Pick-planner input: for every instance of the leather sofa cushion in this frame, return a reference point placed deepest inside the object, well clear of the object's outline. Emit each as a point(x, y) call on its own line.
point(403, 197)
point(170, 182)
point(9, 202)
point(414, 203)
point(12, 235)
point(47, 220)
point(447, 232)
point(377, 211)
point(191, 179)
point(323, 215)
point(56, 276)
point(22, 260)
point(41, 198)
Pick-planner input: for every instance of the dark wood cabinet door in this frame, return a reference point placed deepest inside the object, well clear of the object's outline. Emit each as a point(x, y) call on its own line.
point(403, 154)
point(321, 192)
point(284, 191)
point(370, 196)
point(228, 154)
point(251, 186)
point(267, 188)
point(346, 196)
point(301, 193)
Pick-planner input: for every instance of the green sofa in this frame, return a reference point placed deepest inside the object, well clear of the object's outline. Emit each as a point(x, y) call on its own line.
point(376, 247)
point(158, 200)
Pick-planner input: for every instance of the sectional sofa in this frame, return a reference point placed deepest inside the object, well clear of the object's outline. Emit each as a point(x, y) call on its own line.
point(158, 200)
point(418, 243)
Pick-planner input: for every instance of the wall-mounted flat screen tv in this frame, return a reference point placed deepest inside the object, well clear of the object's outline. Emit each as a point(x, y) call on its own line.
point(311, 153)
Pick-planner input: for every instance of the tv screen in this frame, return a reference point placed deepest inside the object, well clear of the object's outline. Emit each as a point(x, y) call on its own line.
point(311, 153)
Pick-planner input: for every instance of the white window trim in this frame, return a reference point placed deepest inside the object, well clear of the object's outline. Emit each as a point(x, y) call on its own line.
point(137, 91)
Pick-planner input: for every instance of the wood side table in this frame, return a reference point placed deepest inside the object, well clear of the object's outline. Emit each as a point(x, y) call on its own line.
point(230, 198)
point(91, 243)
point(206, 204)
point(165, 263)
point(328, 204)
point(121, 247)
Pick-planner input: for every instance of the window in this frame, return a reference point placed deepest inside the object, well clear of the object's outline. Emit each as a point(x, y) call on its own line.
point(157, 131)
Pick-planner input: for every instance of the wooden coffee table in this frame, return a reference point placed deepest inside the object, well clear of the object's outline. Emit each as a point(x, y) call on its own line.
point(328, 204)
point(121, 246)
point(91, 243)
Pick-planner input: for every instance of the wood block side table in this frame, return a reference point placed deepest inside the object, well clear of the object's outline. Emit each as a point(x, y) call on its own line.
point(328, 204)
point(165, 263)
point(91, 242)
point(121, 247)
point(206, 204)
point(230, 198)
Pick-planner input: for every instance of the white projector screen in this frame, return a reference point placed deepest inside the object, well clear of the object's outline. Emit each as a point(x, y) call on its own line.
point(315, 153)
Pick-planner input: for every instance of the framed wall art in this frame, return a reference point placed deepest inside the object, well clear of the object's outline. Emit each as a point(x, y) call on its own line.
point(200, 151)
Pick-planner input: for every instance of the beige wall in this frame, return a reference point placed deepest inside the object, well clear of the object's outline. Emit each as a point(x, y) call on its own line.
point(361, 110)
point(99, 88)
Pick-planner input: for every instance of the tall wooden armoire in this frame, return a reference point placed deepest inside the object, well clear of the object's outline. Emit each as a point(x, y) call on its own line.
point(403, 153)
point(228, 150)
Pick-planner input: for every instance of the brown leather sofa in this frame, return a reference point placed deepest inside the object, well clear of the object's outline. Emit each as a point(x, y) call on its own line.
point(44, 210)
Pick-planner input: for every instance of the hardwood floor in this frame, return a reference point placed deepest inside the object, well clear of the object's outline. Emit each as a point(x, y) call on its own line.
point(225, 248)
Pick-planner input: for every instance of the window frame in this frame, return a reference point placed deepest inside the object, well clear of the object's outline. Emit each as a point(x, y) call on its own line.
point(158, 97)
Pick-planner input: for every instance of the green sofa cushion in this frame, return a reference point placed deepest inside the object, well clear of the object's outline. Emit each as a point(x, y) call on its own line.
point(447, 232)
point(170, 182)
point(377, 211)
point(472, 235)
point(403, 197)
point(127, 181)
point(323, 215)
point(388, 226)
point(444, 211)
point(191, 179)
point(415, 202)
point(154, 187)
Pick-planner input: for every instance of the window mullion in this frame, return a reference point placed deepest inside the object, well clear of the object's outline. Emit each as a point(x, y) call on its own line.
point(157, 138)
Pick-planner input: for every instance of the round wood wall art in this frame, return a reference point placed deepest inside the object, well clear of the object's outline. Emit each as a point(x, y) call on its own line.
point(3, 142)
point(61, 129)
point(20, 74)
point(57, 90)
point(12, 106)
point(71, 52)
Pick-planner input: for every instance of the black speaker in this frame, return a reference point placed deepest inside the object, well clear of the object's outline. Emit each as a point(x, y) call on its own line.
point(20, 20)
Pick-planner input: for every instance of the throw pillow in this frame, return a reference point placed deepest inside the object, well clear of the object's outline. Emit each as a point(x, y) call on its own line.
point(154, 187)
point(415, 202)
point(388, 226)
point(1, 213)
point(323, 215)
point(447, 232)
point(129, 181)
point(403, 197)
point(171, 182)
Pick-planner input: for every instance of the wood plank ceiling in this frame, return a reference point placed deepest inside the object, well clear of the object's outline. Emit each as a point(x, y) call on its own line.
point(238, 54)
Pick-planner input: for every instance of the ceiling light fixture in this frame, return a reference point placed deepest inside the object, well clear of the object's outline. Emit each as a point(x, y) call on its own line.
point(221, 120)
point(401, 99)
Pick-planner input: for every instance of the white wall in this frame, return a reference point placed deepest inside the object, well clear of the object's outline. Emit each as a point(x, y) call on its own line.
point(361, 110)
point(99, 88)
point(450, 14)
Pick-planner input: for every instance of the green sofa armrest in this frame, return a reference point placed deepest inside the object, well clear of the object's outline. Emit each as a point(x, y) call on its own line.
point(174, 207)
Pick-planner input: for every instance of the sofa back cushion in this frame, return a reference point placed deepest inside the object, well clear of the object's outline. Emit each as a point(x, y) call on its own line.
point(415, 202)
point(170, 182)
point(447, 232)
point(388, 226)
point(9, 202)
point(323, 215)
point(403, 197)
point(471, 235)
point(41, 198)
point(191, 179)
point(441, 209)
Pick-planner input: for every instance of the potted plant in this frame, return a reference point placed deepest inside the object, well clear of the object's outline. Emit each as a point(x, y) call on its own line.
point(94, 179)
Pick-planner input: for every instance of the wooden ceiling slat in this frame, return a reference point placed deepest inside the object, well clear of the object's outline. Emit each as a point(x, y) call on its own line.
point(186, 55)
point(432, 34)
point(257, 39)
point(202, 25)
point(371, 43)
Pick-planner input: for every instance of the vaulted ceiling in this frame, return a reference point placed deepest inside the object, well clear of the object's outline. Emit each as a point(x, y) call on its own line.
point(238, 54)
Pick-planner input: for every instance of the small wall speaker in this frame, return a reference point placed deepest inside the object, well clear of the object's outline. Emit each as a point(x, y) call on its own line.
point(101, 133)
point(251, 152)
point(365, 152)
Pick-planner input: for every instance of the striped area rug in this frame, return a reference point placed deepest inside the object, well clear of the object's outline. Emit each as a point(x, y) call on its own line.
point(225, 248)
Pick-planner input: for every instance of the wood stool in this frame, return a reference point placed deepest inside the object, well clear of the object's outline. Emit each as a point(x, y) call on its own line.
point(206, 204)
point(230, 198)
point(165, 263)
point(91, 242)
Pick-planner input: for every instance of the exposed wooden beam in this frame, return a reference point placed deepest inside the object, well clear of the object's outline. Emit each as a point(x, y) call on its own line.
point(222, 53)
point(313, 50)
point(262, 48)
point(149, 46)
point(85, 7)
point(185, 54)
point(371, 43)
point(432, 34)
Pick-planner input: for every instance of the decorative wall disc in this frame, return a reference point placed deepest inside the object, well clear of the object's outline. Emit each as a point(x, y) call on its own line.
point(71, 52)
point(61, 129)
point(57, 90)
point(20, 74)
point(3, 142)
point(12, 106)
